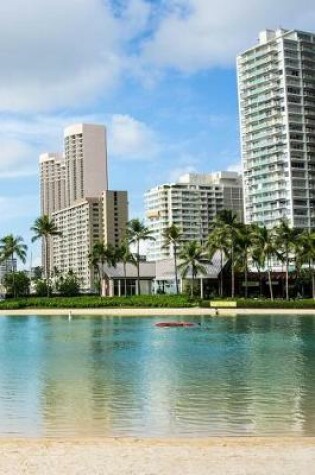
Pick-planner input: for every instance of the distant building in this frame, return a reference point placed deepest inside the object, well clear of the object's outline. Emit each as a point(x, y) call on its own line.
point(191, 204)
point(74, 192)
point(276, 84)
point(10, 265)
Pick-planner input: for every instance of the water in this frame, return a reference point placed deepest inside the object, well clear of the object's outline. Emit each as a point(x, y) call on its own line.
point(100, 376)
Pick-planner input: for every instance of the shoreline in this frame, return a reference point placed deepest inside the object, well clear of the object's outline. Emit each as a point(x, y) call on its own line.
point(146, 312)
point(187, 456)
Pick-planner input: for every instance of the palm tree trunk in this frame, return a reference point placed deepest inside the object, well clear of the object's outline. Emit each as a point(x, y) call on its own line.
point(175, 264)
point(221, 273)
point(246, 276)
point(270, 283)
point(138, 267)
point(13, 275)
point(232, 273)
point(125, 279)
point(313, 284)
point(47, 270)
point(192, 284)
point(287, 276)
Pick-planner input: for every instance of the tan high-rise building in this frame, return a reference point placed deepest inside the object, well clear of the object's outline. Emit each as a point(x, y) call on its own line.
point(85, 161)
point(74, 192)
point(83, 224)
point(52, 182)
point(114, 216)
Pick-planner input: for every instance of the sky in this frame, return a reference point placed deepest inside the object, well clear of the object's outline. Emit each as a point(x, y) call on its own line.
point(160, 74)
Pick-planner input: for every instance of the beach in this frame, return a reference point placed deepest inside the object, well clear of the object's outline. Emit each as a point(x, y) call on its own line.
point(146, 312)
point(118, 456)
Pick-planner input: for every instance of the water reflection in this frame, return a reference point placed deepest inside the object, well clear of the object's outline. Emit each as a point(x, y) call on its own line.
point(123, 376)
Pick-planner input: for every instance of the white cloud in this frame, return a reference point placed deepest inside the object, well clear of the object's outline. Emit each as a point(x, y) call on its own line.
point(177, 172)
point(56, 53)
point(22, 139)
point(60, 53)
point(198, 34)
point(130, 139)
point(235, 167)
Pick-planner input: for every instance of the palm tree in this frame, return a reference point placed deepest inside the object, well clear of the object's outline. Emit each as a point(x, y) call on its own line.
point(286, 238)
point(305, 254)
point(102, 254)
point(264, 249)
point(137, 232)
point(228, 223)
point(44, 228)
point(191, 257)
point(217, 242)
point(243, 247)
point(125, 256)
point(172, 236)
point(11, 246)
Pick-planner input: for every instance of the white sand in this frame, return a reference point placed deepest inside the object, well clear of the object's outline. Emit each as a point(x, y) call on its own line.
point(217, 456)
point(145, 312)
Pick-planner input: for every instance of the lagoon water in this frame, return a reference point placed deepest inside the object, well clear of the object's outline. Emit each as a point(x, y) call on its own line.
point(103, 376)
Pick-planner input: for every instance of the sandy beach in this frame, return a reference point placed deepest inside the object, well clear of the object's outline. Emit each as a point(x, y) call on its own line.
point(216, 456)
point(146, 312)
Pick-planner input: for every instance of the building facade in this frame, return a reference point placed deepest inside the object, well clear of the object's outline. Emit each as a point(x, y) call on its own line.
point(191, 204)
point(276, 83)
point(74, 192)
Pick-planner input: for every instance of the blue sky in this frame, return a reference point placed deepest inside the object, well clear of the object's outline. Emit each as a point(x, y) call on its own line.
point(159, 74)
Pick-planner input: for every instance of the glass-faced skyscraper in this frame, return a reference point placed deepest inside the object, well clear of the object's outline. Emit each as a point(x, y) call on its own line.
point(276, 84)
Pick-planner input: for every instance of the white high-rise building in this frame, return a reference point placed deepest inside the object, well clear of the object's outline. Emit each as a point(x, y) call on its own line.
point(191, 204)
point(74, 192)
point(276, 81)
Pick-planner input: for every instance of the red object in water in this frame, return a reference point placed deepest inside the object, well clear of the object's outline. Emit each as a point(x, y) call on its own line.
point(175, 324)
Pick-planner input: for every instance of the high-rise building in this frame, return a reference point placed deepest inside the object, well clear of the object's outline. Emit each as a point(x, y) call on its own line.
point(85, 161)
point(74, 192)
point(191, 204)
point(52, 182)
point(276, 81)
point(86, 222)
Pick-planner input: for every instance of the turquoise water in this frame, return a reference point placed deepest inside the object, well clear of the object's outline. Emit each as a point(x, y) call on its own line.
point(100, 376)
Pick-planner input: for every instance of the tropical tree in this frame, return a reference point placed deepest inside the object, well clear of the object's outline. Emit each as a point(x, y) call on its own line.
point(264, 250)
point(137, 232)
point(228, 224)
point(125, 256)
point(11, 247)
point(44, 228)
point(17, 284)
point(102, 254)
point(305, 254)
point(217, 242)
point(286, 239)
point(172, 236)
point(68, 285)
point(191, 257)
point(243, 249)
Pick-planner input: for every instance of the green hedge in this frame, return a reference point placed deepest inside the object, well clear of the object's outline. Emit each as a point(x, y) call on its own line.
point(142, 301)
point(266, 303)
